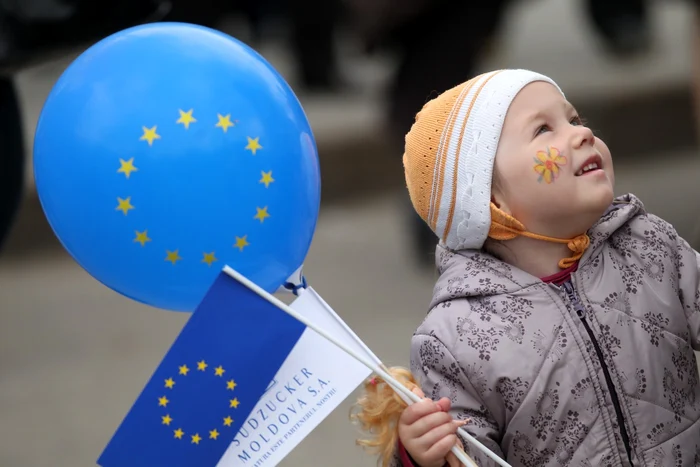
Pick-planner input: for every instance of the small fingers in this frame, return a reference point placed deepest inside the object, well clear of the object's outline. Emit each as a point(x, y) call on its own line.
point(444, 404)
point(438, 431)
point(442, 447)
point(418, 410)
point(430, 422)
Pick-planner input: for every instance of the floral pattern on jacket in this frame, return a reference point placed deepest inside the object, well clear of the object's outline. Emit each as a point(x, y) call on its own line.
point(597, 372)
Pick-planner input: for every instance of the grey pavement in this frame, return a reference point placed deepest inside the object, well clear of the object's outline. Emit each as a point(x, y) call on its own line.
point(74, 355)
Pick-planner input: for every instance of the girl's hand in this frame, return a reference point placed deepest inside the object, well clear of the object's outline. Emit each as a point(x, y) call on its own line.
point(428, 432)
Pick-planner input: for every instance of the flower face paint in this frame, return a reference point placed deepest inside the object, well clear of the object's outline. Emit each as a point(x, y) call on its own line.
point(547, 164)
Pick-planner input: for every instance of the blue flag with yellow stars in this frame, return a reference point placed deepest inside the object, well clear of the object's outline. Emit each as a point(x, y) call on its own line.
point(208, 383)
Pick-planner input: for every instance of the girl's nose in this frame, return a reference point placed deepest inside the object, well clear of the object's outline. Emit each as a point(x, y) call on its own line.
point(583, 135)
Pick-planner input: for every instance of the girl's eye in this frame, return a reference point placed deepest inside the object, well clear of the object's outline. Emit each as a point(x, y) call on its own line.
point(541, 129)
point(575, 120)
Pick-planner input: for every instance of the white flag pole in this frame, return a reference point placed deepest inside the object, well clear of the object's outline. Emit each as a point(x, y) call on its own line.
point(461, 455)
point(299, 284)
point(347, 328)
point(401, 390)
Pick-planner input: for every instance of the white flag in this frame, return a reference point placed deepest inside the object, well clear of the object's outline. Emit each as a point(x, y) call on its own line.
point(314, 379)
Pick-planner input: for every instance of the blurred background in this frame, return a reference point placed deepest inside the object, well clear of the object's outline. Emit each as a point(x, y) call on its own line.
point(74, 355)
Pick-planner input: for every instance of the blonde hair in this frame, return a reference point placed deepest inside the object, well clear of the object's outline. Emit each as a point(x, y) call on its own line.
point(377, 412)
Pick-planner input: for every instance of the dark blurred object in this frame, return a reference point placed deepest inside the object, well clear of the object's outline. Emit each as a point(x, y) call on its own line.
point(695, 239)
point(439, 43)
point(439, 48)
point(12, 158)
point(377, 21)
point(313, 26)
point(624, 25)
point(32, 31)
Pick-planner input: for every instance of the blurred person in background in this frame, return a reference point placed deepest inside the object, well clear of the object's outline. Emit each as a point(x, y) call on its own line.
point(311, 31)
point(695, 239)
point(313, 25)
point(439, 44)
point(623, 25)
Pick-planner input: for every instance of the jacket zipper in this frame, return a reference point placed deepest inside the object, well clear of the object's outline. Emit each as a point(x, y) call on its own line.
point(581, 313)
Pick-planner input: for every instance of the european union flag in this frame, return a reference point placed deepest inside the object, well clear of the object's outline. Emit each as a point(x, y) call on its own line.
point(208, 383)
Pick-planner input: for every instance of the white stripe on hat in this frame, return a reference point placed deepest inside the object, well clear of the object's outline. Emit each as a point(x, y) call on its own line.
point(457, 134)
point(441, 147)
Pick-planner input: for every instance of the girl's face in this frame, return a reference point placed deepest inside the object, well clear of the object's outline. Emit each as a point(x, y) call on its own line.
point(554, 175)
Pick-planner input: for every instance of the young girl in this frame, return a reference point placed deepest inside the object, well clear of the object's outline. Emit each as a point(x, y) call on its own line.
point(563, 323)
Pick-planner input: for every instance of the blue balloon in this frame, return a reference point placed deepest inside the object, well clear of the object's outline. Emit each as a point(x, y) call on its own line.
point(169, 150)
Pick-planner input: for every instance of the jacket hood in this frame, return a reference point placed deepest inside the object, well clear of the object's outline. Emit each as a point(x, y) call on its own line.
point(475, 273)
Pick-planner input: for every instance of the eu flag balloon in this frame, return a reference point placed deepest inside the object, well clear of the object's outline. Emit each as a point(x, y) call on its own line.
point(168, 150)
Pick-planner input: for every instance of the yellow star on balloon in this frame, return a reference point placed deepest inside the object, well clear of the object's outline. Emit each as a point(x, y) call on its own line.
point(234, 403)
point(262, 214)
point(149, 134)
point(196, 438)
point(219, 371)
point(179, 433)
point(241, 242)
point(267, 178)
point(127, 167)
point(209, 258)
point(184, 370)
point(186, 118)
point(163, 401)
point(173, 256)
point(228, 421)
point(224, 122)
point(142, 237)
point(166, 419)
point(231, 385)
point(253, 144)
point(169, 383)
point(213, 434)
point(124, 205)
point(202, 365)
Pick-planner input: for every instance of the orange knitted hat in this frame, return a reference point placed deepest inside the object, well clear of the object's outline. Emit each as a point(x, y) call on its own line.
point(449, 157)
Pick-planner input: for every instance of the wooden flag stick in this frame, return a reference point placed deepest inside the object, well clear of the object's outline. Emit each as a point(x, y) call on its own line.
point(396, 385)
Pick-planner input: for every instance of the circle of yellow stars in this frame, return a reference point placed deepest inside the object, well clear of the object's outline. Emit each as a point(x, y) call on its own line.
point(150, 135)
point(169, 421)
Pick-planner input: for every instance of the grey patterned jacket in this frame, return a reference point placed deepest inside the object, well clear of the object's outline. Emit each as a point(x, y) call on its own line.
point(597, 372)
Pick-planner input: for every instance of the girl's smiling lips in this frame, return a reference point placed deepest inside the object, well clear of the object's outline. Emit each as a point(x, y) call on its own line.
point(594, 162)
